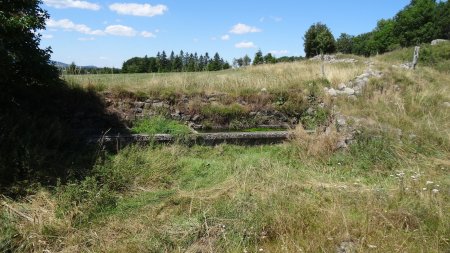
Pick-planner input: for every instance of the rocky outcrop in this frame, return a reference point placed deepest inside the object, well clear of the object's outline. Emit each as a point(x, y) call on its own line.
point(356, 86)
point(333, 59)
point(438, 41)
point(193, 110)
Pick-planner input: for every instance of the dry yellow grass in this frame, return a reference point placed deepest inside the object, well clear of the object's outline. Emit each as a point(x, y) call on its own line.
point(253, 78)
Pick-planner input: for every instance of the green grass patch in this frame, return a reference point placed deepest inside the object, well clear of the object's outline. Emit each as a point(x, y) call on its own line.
point(160, 125)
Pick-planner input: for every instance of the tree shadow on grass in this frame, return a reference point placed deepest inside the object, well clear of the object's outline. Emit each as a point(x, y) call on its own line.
point(44, 131)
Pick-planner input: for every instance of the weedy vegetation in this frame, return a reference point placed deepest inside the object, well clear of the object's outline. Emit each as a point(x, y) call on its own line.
point(387, 192)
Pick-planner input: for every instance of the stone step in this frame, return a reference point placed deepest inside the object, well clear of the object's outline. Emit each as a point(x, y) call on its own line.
point(240, 138)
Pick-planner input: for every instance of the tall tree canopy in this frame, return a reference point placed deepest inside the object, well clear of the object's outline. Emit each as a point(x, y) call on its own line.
point(21, 59)
point(319, 39)
point(421, 21)
point(415, 24)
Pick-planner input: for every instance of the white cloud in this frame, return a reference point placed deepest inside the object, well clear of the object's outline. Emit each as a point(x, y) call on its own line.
point(279, 52)
point(70, 26)
point(225, 37)
point(262, 19)
point(120, 30)
point(116, 30)
point(245, 44)
point(145, 10)
point(276, 19)
point(243, 28)
point(47, 36)
point(86, 39)
point(61, 4)
point(146, 34)
point(103, 58)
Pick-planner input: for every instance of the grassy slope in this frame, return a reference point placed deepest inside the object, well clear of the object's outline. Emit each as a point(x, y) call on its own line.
point(377, 195)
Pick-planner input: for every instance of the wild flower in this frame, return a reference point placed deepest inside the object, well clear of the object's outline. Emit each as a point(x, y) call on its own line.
point(435, 190)
point(429, 182)
point(424, 189)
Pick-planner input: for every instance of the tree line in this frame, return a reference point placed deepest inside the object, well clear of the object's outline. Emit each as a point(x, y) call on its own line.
point(259, 58)
point(182, 62)
point(421, 21)
point(73, 69)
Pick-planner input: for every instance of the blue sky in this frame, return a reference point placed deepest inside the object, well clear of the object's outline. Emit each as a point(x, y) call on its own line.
point(106, 33)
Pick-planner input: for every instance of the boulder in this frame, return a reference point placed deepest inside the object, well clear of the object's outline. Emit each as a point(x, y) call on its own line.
point(332, 92)
point(437, 41)
point(158, 104)
point(348, 91)
point(342, 86)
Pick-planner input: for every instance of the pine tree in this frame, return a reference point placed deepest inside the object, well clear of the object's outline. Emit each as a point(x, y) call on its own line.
point(258, 58)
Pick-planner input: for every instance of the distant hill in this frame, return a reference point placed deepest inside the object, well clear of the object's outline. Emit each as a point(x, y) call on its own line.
point(65, 65)
point(59, 64)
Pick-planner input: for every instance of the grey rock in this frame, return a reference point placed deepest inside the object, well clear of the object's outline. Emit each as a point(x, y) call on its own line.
point(310, 110)
point(437, 41)
point(195, 126)
point(252, 114)
point(186, 117)
point(147, 105)
point(446, 104)
point(341, 145)
point(332, 92)
point(139, 104)
point(158, 104)
point(346, 247)
point(348, 91)
point(342, 86)
point(137, 110)
point(341, 121)
point(196, 117)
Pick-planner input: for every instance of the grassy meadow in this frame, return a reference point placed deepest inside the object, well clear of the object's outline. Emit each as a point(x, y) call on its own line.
point(388, 192)
point(237, 82)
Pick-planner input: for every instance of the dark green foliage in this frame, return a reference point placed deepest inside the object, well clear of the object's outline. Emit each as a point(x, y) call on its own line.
point(419, 22)
point(289, 58)
point(319, 40)
point(258, 58)
point(269, 59)
point(21, 59)
point(44, 130)
point(443, 19)
point(242, 62)
point(344, 44)
point(416, 24)
point(266, 59)
point(183, 62)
